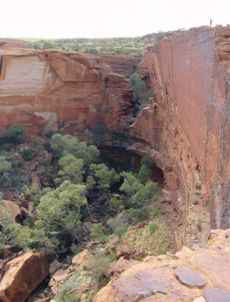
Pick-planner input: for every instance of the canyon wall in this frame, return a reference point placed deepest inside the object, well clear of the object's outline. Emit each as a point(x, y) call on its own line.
point(186, 128)
point(44, 90)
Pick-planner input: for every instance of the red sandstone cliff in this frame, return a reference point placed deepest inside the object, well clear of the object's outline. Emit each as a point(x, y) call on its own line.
point(44, 89)
point(186, 128)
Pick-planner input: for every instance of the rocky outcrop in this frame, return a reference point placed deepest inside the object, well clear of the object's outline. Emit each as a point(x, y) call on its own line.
point(22, 275)
point(189, 275)
point(44, 90)
point(185, 129)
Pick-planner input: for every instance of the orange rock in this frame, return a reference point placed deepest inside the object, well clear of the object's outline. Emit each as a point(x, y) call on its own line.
point(186, 127)
point(23, 275)
point(45, 89)
point(155, 280)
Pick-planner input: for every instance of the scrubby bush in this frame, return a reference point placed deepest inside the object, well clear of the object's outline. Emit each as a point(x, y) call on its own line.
point(27, 154)
point(138, 85)
point(97, 232)
point(119, 224)
point(98, 265)
point(152, 227)
point(8, 228)
point(14, 134)
point(116, 204)
point(33, 193)
point(139, 215)
point(5, 165)
point(145, 171)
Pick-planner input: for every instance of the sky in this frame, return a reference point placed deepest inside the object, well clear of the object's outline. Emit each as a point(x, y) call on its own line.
point(106, 18)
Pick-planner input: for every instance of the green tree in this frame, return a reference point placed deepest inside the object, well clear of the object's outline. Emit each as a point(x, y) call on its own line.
point(104, 176)
point(138, 85)
point(138, 194)
point(59, 211)
point(71, 169)
point(145, 171)
point(5, 165)
point(68, 144)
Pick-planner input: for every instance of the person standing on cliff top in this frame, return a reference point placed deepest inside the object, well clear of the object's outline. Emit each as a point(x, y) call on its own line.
point(210, 22)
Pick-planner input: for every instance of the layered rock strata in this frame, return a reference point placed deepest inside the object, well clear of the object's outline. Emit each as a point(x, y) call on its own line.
point(47, 89)
point(185, 128)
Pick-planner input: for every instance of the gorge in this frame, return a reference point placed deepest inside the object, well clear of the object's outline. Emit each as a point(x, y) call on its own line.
point(183, 128)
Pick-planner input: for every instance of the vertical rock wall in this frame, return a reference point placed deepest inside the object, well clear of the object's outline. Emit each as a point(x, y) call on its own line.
point(187, 124)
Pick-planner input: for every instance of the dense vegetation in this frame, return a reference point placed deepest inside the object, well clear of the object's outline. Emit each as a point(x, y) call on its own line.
point(80, 199)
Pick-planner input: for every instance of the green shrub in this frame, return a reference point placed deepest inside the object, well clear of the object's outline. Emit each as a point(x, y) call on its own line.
point(119, 224)
point(138, 194)
point(139, 215)
point(98, 265)
point(27, 154)
point(152, 227)
point(5, 165)
point(144, 174)
point(153, 243)
point(198, 186)
point(97, 232)
point(32, 193)
point(13, 135)
point(138, 85)
point(116, 204)
point(8, 228)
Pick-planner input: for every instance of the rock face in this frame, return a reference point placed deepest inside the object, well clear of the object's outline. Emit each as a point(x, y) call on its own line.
point(186, 127)
point(23, 275)
point(47, 89)
point(156, 278)
point(122, 64)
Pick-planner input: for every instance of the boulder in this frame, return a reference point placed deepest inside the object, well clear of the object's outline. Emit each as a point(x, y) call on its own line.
point(23, 275)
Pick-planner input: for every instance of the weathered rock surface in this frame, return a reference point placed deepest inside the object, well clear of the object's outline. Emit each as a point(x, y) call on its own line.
point(214, 294)
point(154, 279)
point(45, 89)
point(189, 277)
point(23, 274)
point(186, 127)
